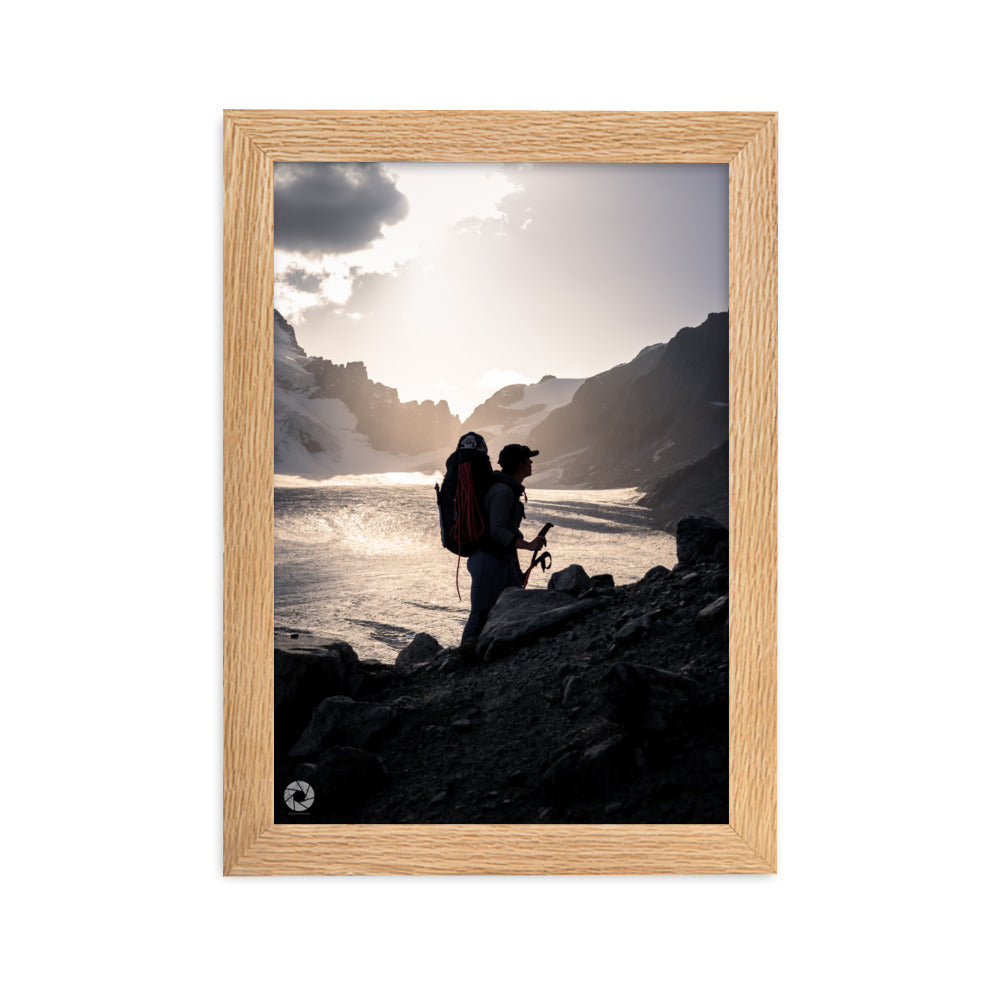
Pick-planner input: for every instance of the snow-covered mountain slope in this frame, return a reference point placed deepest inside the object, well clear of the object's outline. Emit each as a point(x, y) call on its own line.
point(301, 424)
point(513, 412)
point(316, 431)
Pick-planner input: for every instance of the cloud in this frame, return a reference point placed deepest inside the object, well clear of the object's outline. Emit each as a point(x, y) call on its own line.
point(301, 279)
point(441, 203)
point(333, 207)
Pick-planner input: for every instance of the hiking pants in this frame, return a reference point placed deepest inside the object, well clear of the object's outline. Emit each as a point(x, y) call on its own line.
point(490, 576)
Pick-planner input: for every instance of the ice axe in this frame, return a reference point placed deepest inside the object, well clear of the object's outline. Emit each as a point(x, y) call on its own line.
point(540, 558)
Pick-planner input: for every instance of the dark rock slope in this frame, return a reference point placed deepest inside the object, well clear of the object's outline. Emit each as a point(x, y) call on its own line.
point(644, 420)
point(584, 703)
point(700, 487)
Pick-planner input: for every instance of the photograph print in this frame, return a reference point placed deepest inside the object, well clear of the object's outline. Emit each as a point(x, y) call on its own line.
point(501, 493)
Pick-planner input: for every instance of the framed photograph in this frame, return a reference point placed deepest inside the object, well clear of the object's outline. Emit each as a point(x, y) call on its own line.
point(500, 459)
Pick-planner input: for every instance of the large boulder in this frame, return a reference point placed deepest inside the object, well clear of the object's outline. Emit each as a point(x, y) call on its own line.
point(303, 677)
point(700, 538)
point(424, 647)
point(340, 721)
point(521, 616)
point(715, 613)
point(571, 580)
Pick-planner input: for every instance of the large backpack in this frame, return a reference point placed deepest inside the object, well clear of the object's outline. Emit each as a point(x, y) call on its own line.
point(468, 475)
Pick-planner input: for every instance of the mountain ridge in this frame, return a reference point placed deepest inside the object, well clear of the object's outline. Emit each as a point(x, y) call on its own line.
point(331, 419)
point(669, 406)
point(658, 422)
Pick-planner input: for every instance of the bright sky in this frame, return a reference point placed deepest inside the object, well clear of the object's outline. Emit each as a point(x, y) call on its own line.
point(450, 281)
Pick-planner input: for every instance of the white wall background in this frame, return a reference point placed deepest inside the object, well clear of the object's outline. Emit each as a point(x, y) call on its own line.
point(112, 417)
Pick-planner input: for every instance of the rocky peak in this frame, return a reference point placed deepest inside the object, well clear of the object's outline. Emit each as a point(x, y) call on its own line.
point(409, 428)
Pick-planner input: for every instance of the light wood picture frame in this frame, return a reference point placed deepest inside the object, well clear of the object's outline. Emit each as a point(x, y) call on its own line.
point(253, 142)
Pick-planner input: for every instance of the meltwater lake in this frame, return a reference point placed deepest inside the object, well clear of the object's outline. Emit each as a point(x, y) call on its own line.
point(359, 558)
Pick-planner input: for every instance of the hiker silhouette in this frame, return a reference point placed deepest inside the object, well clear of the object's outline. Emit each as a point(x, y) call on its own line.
point(494, 565)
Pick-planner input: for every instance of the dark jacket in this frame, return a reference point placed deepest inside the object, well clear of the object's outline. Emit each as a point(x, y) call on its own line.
point(505, 512)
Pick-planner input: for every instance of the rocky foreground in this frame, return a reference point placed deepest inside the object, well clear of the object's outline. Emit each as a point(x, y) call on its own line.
point(583, 703)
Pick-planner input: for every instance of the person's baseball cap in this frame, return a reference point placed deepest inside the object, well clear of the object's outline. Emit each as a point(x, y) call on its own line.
point(514, 454)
